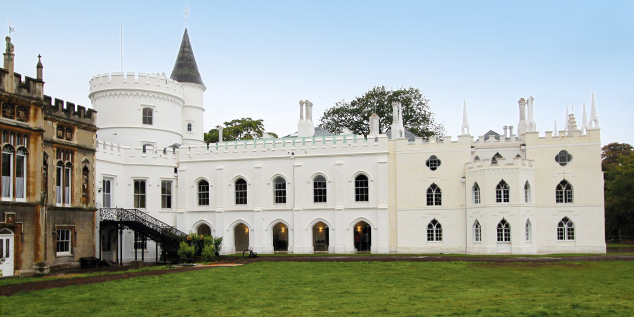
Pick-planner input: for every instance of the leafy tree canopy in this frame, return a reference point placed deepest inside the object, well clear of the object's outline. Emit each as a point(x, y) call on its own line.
point(611, 152)
point(239, 129)
point(355, 115)
point(618, 166)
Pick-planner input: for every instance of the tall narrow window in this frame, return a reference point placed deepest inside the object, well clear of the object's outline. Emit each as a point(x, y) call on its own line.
point(203, 193)
point(20, 173)
point(68, 171)
point(59, 178)
point(434, 195)
point(189, 127)
point(476, 193)
point(241, 192)
point(528, 234)
point(502, 192)
point(434, 231)
point(107, 192)
point(477, 232)
point(361, 191)
point(565, 230)
point(64, 237)
point(319, 189)
point(139, 194)
point(563, 193)
point(7, 172)
point(504, 231)
point(527, 192)
point(147, 116)
point(166, 194)
point(280, 190)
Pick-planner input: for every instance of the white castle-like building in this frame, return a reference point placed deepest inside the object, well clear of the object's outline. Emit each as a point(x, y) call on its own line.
point(516, 193)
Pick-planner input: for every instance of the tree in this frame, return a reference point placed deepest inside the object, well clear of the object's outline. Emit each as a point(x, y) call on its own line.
point(611, 152)
point(355, 115)
point(239, 129)
point(618, 167)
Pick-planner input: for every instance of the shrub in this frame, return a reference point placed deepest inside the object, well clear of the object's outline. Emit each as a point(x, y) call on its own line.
point(209, 253)
point(218, 245)
point(186, 252)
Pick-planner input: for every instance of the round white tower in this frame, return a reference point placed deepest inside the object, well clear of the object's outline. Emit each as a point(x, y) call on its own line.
point(138, 109)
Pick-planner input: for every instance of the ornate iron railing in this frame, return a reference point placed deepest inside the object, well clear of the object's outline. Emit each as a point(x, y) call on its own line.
point(140, 221)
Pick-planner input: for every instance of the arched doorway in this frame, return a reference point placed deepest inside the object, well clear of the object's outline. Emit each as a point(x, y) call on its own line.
point(362, 236)
point(241, 237)
point(280, 238)
point(6, 252)
point(204, 230)
point(321, 237)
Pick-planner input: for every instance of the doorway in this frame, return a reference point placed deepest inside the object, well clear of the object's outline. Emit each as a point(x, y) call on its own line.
point(6, 252)
point(321, 239)
point(280, 238)
point(362, 236)
point(241, 237)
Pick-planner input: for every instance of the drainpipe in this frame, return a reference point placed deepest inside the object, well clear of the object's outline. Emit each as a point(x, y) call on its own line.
point(466, 236)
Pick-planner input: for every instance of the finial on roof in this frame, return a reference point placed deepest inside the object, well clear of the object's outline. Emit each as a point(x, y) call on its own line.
point(465, 120)
point(594, 118)
point(185, 68)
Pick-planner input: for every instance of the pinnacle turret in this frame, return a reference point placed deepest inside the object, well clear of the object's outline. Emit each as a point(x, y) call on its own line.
point(185, 68)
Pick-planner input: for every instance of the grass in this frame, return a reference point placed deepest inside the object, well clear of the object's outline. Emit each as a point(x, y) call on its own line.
point(377, 288)
point(20, 280)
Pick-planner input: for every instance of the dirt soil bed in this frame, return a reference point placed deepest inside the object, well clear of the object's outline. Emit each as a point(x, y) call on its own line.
point(46, 283)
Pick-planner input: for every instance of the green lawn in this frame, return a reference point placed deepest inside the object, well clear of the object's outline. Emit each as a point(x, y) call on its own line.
point(425, 288)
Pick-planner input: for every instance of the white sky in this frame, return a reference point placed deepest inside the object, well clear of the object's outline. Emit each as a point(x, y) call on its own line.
point(259, 58)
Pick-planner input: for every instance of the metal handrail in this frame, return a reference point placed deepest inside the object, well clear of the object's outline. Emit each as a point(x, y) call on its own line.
point(156, 229)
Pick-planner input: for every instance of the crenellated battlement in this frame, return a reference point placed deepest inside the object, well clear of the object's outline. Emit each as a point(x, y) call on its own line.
point(151, 83)
point(502, 163)
point(25, 88)
point(287, 147)
point(128, 154)
point(69, 110)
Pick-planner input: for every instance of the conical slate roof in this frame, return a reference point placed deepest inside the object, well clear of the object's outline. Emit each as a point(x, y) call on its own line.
point(185, 69)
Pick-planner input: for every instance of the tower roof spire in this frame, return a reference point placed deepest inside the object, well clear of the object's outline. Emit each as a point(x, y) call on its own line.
point(185, 69)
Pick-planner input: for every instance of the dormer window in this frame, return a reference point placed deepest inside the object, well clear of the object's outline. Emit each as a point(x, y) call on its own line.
point(148, 114)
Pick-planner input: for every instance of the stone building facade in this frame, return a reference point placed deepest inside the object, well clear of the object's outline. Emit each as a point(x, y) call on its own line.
point(47, 211)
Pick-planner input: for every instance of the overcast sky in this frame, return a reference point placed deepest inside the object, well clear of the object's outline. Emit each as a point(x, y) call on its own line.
point(259, 58)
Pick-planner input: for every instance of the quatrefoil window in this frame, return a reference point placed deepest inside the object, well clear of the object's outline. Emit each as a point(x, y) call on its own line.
point(563, 157)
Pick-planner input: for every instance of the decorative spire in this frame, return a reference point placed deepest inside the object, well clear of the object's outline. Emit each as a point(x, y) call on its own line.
point(521, 127)
point(584, 118)
point(566, 120)
point(185, 68)
point(594, 118)
point(465, 120)
point(555, 131)
point(532, 127)
point(39, 67)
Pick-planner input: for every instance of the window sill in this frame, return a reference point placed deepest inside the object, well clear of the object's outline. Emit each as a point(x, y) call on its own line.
point(63, 254)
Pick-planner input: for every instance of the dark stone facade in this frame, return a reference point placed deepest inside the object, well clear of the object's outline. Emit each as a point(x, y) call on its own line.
point(47, 199)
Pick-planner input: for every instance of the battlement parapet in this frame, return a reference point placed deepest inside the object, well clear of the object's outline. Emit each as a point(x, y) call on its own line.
point(139, 154)
point(287, 147)
point(156, 83)
point(69, 111)
point(26, 88)
point(502, 163)
point(591, 135)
